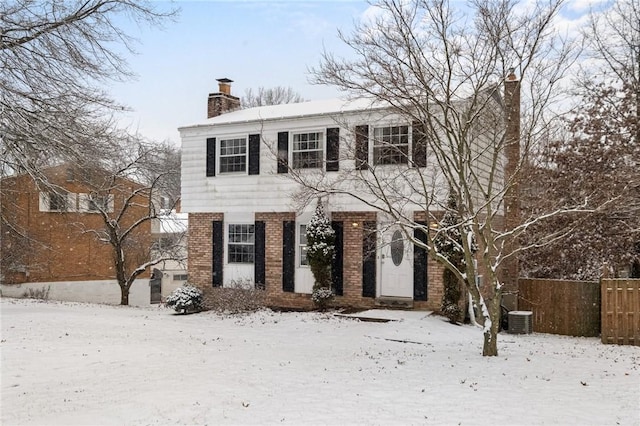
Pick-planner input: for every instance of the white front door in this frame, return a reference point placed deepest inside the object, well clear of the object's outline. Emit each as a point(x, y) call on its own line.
point(396, 264)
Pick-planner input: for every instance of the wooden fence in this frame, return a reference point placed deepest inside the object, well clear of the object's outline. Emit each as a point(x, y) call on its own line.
point(570, 308)
point(621, 311)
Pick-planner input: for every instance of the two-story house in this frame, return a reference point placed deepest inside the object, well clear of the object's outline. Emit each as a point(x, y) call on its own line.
point(53, 242)
point(244, 182)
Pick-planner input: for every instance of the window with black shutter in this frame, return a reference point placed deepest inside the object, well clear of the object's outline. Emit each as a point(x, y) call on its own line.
point(211, 157)
point(259, 262)
point(288, 255)
point(254, 154)
point(419, 145)
point(369, 242)
point(362, 147)
point(337, 264)
point(420, 275)
point(333, 149)
point(283, 152)
point(218, 253)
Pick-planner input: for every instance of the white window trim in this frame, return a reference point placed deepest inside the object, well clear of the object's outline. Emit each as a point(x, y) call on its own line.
point(383, 124)
point(44, 203)
point(323, 146)
point(227, 242)
point(219, 139)
point(299, 245)
point(84, 200)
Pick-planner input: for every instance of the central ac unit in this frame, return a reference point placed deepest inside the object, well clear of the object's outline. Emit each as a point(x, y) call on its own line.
point(520, 322)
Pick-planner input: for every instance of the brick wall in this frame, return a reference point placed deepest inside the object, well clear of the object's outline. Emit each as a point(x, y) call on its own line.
point(60, 246)
point(510, 268)
point(352, 263)
point(200, 260)
point(219, 103)
point(200, 249)
point(273, 263)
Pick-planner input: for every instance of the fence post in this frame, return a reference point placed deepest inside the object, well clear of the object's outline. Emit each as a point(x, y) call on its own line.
point(606, 272)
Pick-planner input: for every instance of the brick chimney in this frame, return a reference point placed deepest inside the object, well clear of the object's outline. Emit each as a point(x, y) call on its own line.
point(511, 267)
point(222, 101)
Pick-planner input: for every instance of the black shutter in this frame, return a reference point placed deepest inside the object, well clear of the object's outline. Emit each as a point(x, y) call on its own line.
point(254, 154)
point(259, 275)
point(283, 152)
point(333, 149)
point(420, 275)
point(337, 264)
point(419, 145)
point(369, 243)
point(211, 157)
point(362, 147)
point(288, 255)
point(218, 252)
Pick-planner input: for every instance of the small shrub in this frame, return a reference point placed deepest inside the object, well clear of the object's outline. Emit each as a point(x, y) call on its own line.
point(185, 299)
point(38, 293)
point(453, 312)
point(239, 296)
point(322, 297)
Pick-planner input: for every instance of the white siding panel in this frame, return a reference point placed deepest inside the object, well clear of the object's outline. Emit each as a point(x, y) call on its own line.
point(269, 191)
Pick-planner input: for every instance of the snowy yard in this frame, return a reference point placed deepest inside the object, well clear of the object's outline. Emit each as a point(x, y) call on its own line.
point(67, 364)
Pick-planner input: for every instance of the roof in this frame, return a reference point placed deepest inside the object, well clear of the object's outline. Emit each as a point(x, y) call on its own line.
point(172, 223)
point(296, 110)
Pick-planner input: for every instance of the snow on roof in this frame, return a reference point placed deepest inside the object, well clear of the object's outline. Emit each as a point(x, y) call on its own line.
point(173, 223)
point(296, 110)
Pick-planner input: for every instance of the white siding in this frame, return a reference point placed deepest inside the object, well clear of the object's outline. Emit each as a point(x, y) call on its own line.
point(273, 192)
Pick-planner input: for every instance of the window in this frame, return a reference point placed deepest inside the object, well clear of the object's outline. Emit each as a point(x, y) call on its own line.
point(302, 246)
point(94, 203)
point(241, 238)
point(165, 243)
point(180, 277)
point(58, 202)
point(98, 203)
point(391, 145)
point(307, 150)
point(233, 155)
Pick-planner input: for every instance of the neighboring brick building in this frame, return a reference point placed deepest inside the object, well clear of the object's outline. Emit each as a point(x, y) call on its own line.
point(239, 183)
point(52, 235)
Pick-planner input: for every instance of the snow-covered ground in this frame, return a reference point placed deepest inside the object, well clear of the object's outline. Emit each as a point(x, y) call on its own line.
point(65, 364)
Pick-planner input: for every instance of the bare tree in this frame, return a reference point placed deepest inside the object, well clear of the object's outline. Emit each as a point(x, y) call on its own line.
point(597, 159)
point(127, 198)
point(442, 72)
point(55, 57)
point(271, 96)
point(613, 38)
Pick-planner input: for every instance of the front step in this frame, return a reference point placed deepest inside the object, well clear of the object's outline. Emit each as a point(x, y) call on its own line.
point(391, 302)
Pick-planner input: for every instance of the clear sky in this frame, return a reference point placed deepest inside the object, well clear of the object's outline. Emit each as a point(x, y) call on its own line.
point(255, 43)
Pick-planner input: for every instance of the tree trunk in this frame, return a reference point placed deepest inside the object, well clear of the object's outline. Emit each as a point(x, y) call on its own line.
point(124, 295)
point(490, 347)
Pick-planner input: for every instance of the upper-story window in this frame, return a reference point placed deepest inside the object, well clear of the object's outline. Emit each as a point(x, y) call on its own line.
point(391, 145)
point(233, 155)
point(57, 202)
point(307, 150)
point(98, 203)
point(95, 203)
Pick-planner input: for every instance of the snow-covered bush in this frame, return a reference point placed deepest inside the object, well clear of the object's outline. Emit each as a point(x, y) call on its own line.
point(448, 242)
point(320, 252)
point(185, 299)
point(322, 297)
point(236, 297)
